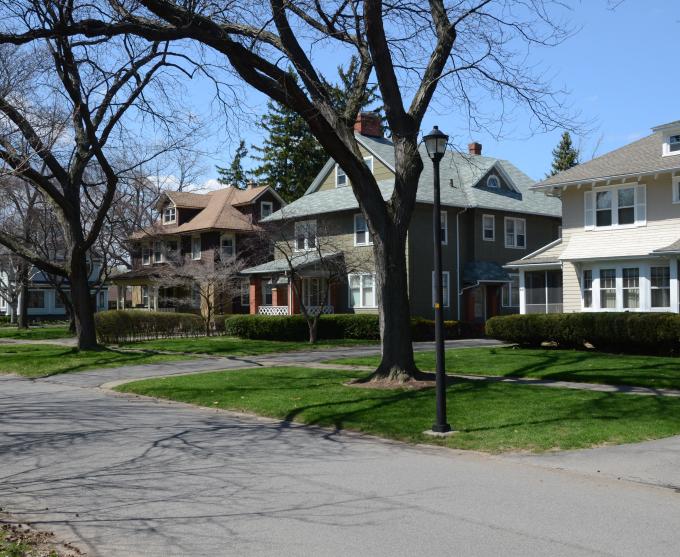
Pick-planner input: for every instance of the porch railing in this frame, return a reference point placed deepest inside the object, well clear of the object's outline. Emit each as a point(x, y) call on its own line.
point(315, 310)
point(272, 310)
point(544, 308)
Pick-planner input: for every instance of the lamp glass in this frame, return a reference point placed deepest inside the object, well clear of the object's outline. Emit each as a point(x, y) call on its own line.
point(435, 142)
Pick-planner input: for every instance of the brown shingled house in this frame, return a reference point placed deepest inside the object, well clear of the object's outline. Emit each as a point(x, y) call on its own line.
point(197, 227)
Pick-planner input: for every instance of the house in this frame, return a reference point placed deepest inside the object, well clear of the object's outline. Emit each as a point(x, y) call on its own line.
point(43, 300)
point(199, 228)
point(489, 217)
point(621, 233)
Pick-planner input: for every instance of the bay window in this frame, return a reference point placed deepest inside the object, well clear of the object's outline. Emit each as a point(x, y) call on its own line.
point(362, 291)
point(608, 288)
point(587, 288)
point(631, 288)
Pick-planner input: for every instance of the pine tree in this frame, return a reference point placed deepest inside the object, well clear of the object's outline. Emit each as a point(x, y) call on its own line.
point(234, 175)
point(290, 155)
point(565, 155)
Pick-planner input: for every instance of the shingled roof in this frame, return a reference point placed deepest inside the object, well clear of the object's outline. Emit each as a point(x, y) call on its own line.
point(460, 186)
point(644, 156)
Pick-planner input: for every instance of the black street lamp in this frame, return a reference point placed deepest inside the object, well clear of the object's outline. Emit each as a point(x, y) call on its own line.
point(435, 143)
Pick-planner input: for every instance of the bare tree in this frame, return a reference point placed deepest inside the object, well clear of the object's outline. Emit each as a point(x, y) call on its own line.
point(89, 92)
point(468, 49)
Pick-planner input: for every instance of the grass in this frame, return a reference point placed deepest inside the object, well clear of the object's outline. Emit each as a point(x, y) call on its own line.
point(47, 332)
point(41, 360)
point(231, 346)
point(18, 541)
point(560, 365)
point(489, 417)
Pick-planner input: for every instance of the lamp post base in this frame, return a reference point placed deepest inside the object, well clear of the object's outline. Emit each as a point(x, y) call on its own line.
point(436, 431)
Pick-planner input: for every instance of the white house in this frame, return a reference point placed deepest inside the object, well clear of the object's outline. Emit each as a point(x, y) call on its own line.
point(620, 243)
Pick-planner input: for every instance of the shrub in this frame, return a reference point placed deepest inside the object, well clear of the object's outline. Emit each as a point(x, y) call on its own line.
point(337, 326)
point(613, 332)
point(114, 327)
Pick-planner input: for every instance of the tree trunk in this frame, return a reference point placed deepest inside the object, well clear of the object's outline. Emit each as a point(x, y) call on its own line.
point(22, 309)
point(82, 304)
point(397, 362)
point(13, 312)
point(313, 324)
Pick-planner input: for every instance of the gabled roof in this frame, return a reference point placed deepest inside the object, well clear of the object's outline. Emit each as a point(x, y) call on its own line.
point(546, 255)
point(642, 157)
point(298, 261)
point(460, 186)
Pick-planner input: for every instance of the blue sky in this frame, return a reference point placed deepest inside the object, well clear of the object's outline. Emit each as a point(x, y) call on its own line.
point(621, 70)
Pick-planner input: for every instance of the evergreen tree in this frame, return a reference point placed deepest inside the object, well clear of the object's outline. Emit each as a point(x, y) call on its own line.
point(290, 155)
point(565, 155)
point(234, 175)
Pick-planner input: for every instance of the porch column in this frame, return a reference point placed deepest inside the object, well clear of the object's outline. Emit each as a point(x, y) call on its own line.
point(275, 296)
point(522, 293)
point(118, 290)
point(155, 298)
point(294, 301)
point(334, 296)
point(255, 294)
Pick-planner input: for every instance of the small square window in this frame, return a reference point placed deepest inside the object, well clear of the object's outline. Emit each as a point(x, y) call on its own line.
point(362, 236)
point(340, 177)
point(169, 215)
point(266, 209)
point(674, 143)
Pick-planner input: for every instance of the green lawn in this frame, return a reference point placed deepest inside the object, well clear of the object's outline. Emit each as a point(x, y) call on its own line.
point(40, 360)
point(231, 346)
point(567, 365)
point(47, 332)
point(489, 417)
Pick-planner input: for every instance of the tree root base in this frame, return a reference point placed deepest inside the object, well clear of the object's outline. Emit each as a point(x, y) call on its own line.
point(396, 377)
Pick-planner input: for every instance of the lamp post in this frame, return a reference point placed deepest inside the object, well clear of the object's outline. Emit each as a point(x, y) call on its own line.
point(435, 143)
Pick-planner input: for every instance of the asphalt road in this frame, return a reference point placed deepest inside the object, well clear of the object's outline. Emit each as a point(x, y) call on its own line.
point(125, 476)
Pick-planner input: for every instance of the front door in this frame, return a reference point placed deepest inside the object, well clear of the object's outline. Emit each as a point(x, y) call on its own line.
point(492, 301)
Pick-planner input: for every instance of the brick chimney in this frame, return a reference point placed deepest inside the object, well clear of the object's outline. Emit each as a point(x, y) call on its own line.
point(475, 148)
point(368, 123)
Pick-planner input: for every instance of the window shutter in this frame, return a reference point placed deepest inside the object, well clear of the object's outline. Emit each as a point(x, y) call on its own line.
point(641, 205)
point(588, 210)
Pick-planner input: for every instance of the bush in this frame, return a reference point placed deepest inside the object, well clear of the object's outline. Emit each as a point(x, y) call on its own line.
point(611, 332)
point(338, 326)
point(115, 327)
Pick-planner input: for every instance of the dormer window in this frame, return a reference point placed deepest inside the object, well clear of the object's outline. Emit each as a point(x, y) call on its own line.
point(493, 182)
point(169, 215)
point(266, 209)
point(671, 143)
point(341, 178)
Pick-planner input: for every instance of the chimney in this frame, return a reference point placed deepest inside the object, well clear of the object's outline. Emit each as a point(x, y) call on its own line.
point(368, 123)
point(475, 148)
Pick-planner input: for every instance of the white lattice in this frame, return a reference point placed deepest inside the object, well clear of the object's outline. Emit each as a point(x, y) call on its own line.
point(315, 310)
point(273, 310)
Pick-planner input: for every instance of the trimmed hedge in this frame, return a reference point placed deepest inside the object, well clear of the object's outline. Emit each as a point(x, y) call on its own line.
point(337, 326)
point(115, 327)
point(625, 332)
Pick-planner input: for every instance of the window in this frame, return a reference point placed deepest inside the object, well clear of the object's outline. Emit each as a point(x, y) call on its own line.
point(36, 299)
point(228, 245)
point(488, 228)
point(169, 215)
point(445, 289)
point(312, 291)
point(340, 176)
point(608, 288)
point(145, 296)
point(158, 252)
point(631, 287)
point(660, 280)
point(58, 302)
point(515, 233)
point(305, 235)
point(362, 291)
point(444, 227)
point(362, 236)
point(671, 145)
point(245, 293)
point(493, 182)
point(267, 297)
point(146, 255)
point(195, 247)
point(587, 288)
point(510, 293)
point(3, 303)
point(266, 209)
point(171, 249)
point(676, 189)
point(617, 206)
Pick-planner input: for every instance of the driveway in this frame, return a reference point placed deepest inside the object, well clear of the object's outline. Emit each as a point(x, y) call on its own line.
point(120, 475)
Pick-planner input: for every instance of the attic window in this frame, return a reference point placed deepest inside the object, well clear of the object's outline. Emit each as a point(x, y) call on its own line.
point(169, 215)
point(671, 144)
point(493, 182)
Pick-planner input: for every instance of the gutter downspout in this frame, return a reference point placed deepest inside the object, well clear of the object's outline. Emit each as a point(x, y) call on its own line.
point(458, 288)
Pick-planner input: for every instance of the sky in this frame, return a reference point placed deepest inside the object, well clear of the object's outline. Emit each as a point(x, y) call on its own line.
point(621, 71)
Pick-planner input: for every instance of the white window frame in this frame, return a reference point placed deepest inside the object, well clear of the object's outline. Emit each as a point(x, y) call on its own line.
point(228, 236)
point(639, 207)
point(245, 293)
point(308, 224)
point(158, 248)
point(146, 254)
point(145, 293)
point(670, 287)
point(194, 255)
point(493, 177)
point(368, 161)
point(369, 239)
point(584, 307)
point(166, 210)
point(667, 143)
point(446, 290)
point(361, 276)
point(675, 186)
point(444, 227)
point(267, 284)
point(510, 288)
point(493, 228)
point(263, 204)
point(3, 303)
point(505, 232)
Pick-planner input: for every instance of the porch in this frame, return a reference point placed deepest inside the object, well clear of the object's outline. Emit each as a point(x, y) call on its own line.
point(279, 296)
